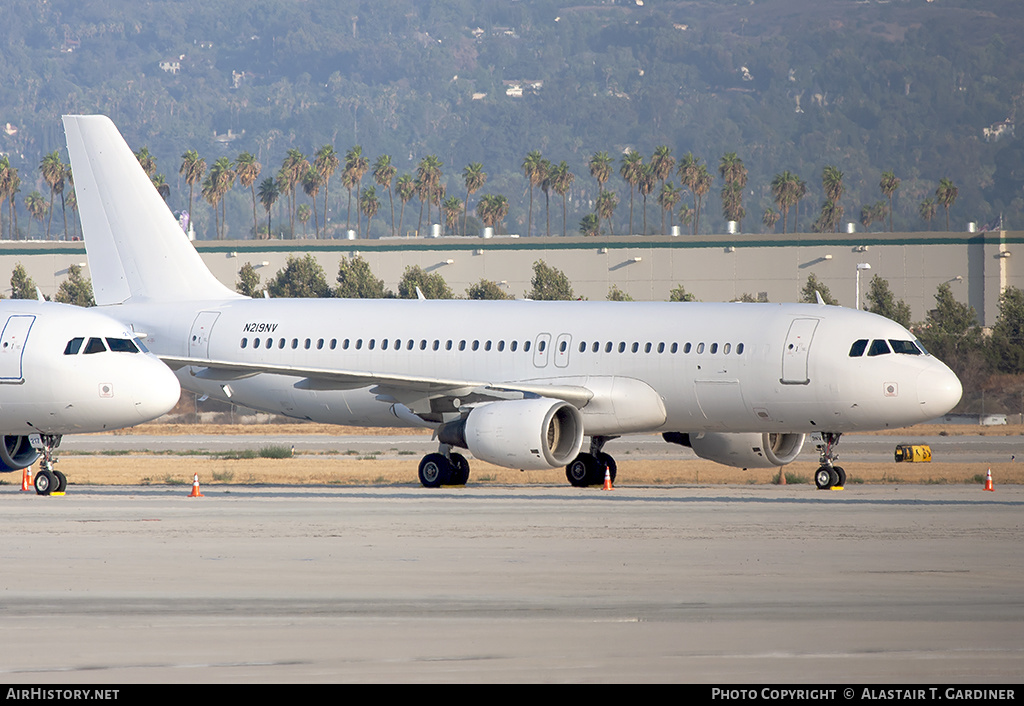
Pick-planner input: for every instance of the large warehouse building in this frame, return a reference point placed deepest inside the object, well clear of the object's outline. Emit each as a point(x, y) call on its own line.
point(977, 266)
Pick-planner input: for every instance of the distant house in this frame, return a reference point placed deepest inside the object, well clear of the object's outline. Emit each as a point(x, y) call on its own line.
point(171, 67)
point(516, 88)
point(996, 131)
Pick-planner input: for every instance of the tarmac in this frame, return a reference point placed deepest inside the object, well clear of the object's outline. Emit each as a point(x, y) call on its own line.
point(711, 584)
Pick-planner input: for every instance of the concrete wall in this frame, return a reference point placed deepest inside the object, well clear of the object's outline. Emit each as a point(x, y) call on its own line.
point(713, 268)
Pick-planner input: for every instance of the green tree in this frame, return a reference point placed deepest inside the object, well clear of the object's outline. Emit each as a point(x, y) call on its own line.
point(631, 170)
point(880, 300)
point(369, 206)
point(927, 209)
point(486, 289)
point(679, 294)
point(549, 284)
point(76, 289)
point(561, 182)
point(248, 281)
point(770, 218)
point(431, 284)
point(451, 208)
point(617, 295)
point(356, 281)
point(952, 334)
point(492, 209)
point(667, 199)
point(303, 212)
point(590, 225)
point(606, 203)
point(36, 206)
point(268, 194)
point(600, 166)
point(22, 286)
point(813, 287)
point(301, 277)
point(311, 181)
point(326, 162)
point(734, 178)
point(52, 170)
point(1005, 348)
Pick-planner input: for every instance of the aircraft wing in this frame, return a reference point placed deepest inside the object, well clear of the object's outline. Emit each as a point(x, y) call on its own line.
point(403, 388)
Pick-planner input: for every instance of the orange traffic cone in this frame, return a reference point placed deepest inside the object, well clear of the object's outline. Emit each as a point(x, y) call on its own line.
point(26, 478)
point(195, 487)
point(607, 479)
point(988, 481)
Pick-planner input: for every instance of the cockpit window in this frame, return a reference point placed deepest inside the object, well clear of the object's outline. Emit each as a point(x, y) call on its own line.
point(141, 345)
point(95, 345)
point(73, 346)
point(122, 345)
point(905, 347)
point(878, 347)
point(858, 347)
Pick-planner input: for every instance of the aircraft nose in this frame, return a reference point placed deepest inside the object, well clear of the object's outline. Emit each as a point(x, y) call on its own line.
point(938, 390)
point(157, 392)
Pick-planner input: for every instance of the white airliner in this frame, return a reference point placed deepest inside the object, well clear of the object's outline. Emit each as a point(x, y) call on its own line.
point(66, 370)
point(519, 383)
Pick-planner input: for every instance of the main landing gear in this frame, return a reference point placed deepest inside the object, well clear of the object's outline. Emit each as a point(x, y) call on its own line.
point(444, 468)
point(829, 476)
point(589, 468)
point(48, 481)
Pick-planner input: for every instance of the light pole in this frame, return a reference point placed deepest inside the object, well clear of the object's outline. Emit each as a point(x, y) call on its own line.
point(860, 266)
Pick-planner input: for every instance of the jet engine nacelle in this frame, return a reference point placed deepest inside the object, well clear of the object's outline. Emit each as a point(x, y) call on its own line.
point(750, 450)
point(531, 434)
point(16, 452)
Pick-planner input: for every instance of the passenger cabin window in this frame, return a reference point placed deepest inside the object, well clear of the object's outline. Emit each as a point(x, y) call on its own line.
point(73, 346)
point(858, 348)
point(878, 347)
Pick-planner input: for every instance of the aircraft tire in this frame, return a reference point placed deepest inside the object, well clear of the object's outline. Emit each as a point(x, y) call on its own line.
point(823, 478)
point(582, 470)
point(44, 482)
point(460, 469)
point(435, 471)
point(841, 476)
point(61, 482)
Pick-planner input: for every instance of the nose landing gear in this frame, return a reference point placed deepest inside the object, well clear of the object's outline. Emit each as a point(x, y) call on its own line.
point(829, 476)
point(48, 481)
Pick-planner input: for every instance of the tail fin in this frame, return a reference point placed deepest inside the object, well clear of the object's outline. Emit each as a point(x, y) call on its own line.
point(137, 251)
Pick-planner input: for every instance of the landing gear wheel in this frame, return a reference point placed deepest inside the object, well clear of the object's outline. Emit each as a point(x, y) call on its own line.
point(61, 482)
point(45, 482)
point(584, 470)
point(841, 474)
point(460, 469)
point(608, 462)
point(823, 478)
point(435, 470)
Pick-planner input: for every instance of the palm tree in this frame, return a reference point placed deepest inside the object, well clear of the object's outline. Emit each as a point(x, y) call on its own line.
point(193, 167)
point(369, 205)
point(770, 218)
point(311, 181)
point(646, 186)
point(927, 209)
point(474, 177)
point(545, 186)
point(162, 187)
point(326, 163)
point(293, 167)
point(946, 195)
point(5, 175)
point(662, 164)
point(533, 169)
point(832, 184)
point(561, 182)
point(36, 205)
point(428, 175)
point(600, 168)
point(734, 176)
point(224, 179)
point(384, 173)
point(268, 194)
point(590, 225)
point(451, 207)
point(52, 170)
point(147, 161)
point(888, 185)
point(631, 170)
point(248, 171)
point(606, 204)
point(492, 209)
point(694, 175)
point(303, 212)
point(12, 186)
point(406, 188)
point(784, 189)
point(667, 199)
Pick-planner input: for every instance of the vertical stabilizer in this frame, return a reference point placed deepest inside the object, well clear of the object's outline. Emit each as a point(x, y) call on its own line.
point(137, 251)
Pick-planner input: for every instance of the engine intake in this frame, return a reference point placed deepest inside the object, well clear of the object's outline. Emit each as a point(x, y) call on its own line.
point(751, 450)
point(532, 434)
point(16, 452)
